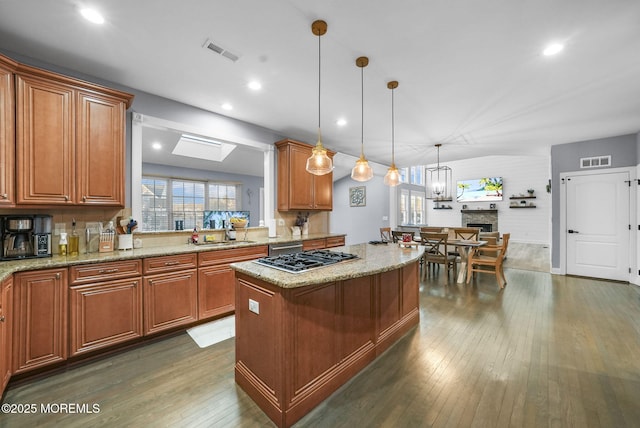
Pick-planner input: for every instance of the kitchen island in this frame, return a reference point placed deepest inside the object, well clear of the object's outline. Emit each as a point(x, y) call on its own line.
point(300, 336)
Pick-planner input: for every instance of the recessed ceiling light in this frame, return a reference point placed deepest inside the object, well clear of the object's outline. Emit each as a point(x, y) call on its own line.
point(156, 146)
point(341, 122)
point(552, 49)
point(255, 85)
point(227, 106)
point(92, 15)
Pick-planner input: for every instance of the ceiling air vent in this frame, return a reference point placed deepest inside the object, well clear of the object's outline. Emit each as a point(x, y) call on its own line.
point(220, 50)
point(595, 162)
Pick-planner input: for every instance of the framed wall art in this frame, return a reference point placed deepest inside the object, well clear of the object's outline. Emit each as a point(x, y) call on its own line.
point(358, 196)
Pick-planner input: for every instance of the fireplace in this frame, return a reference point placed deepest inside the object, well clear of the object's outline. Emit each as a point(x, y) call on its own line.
point(484, 227)
point(485, 220)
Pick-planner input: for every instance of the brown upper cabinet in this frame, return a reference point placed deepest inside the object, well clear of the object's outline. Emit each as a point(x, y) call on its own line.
point(297, 188)
point(70, 140)
point(7, 132)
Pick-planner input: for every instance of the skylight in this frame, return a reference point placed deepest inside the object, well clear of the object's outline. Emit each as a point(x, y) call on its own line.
point(202, 148)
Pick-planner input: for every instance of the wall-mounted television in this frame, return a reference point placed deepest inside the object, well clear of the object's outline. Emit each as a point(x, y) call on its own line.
point(485, 189)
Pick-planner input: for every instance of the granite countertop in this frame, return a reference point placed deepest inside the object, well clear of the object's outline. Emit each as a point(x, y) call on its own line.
point(372, 259)
point(9, 267)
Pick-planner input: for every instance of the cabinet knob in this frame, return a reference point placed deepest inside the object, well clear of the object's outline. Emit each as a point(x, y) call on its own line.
point(84, 199)
point(66, 197)
point(4, 196)
point(1, 318)
point(58, 275)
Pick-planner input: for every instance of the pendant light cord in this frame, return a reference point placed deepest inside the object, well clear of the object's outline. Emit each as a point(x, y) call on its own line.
point(362, 112)
point(393, 130)
point(319, 84)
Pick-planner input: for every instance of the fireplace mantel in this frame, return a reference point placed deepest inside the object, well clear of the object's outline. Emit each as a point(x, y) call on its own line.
point(479, 211)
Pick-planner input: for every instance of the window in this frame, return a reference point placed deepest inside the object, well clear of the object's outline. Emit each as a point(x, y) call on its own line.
point(412, 207)
point(188, 201)
point(404, 173)
point(417, 175)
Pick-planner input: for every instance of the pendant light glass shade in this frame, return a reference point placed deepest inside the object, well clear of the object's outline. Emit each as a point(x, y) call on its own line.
point(319, 163)
point(392, 177)
point(362, 171)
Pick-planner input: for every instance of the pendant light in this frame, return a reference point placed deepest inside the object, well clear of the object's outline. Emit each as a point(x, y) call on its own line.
point(392, 177)
point(319, 163)
point(440, 179)
point(362, 171)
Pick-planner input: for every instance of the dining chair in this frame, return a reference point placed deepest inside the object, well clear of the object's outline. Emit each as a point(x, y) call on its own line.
point(396, 235)
point(385, 234)
point(436, 252)
point(431, 229)
point(466, 233)
point(482, 262)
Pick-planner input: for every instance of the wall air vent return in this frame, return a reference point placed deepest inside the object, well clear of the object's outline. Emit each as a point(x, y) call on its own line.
point(220, 50)
point(595, 162)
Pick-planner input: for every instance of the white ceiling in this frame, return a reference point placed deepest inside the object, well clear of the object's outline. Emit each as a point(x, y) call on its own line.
point(471, 72)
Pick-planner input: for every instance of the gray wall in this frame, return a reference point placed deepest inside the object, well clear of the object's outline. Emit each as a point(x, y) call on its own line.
point(361, 224)
point(566, 158)
point(249, 182)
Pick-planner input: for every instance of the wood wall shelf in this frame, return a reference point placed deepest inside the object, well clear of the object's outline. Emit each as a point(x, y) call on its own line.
point(522, 197)
point(526, 206)
point(442, 208)
point(479, 211)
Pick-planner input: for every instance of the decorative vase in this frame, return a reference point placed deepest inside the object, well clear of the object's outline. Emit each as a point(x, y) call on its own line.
point(305, 228)
point(295, 231)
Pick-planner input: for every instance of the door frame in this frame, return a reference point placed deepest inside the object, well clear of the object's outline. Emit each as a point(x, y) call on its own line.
point(633, 219)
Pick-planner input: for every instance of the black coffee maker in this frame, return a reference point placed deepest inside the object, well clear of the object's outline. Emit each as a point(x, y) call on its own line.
point(25, 236)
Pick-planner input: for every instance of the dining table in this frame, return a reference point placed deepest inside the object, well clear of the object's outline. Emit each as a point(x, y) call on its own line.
point(464, 246)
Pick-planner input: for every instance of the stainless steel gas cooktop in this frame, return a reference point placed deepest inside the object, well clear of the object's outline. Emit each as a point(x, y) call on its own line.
point(305, 260)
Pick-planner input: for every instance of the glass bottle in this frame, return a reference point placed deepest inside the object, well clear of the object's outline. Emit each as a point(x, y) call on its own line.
point(74, 240)
point(62, 245)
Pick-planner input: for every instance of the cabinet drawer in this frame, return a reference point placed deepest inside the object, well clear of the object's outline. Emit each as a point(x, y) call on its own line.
point(104, 271)
point(219, 257)
point(169, 263)
point(314, 244)
point(335, 241)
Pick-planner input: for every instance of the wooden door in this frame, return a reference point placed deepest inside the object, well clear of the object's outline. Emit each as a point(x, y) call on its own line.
point(301, 181)
point(100, 145)
point(170, 300)
point(45, 149)
point(323, 191)
point(216, 291)
point(40, 319)
point(598, 225)
point(6, 315)
point(103, 314)
point(7, 137)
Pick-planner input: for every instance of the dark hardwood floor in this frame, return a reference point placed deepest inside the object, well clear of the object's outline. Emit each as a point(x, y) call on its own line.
point(547, 351)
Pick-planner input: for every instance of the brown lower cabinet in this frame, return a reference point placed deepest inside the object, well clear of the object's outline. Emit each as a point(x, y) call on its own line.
point(105, 314)
point(170, 299)
point(6, 317)
point(217, 282)
point(40, 319)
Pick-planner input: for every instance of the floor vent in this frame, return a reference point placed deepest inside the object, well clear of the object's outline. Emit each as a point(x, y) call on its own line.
point(595, 161)
point(220, 50)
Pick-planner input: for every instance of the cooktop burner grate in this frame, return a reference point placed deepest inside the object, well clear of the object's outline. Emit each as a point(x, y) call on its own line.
point(305, 260)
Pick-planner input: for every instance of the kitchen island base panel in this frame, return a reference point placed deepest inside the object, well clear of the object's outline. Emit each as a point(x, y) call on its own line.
point(306, 342)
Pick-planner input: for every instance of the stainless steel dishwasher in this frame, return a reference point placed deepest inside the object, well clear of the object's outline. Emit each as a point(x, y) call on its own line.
point(285, 248)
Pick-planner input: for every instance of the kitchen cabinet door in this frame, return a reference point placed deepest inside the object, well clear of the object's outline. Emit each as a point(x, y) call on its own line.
point(100, 144)
point(297, 188)
point(216, 291)
point(7, 133)
point(45, 148)
point(6, 317)
point(314, 244)
point(170, 300)
point(39, 319)
point(104, 314)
